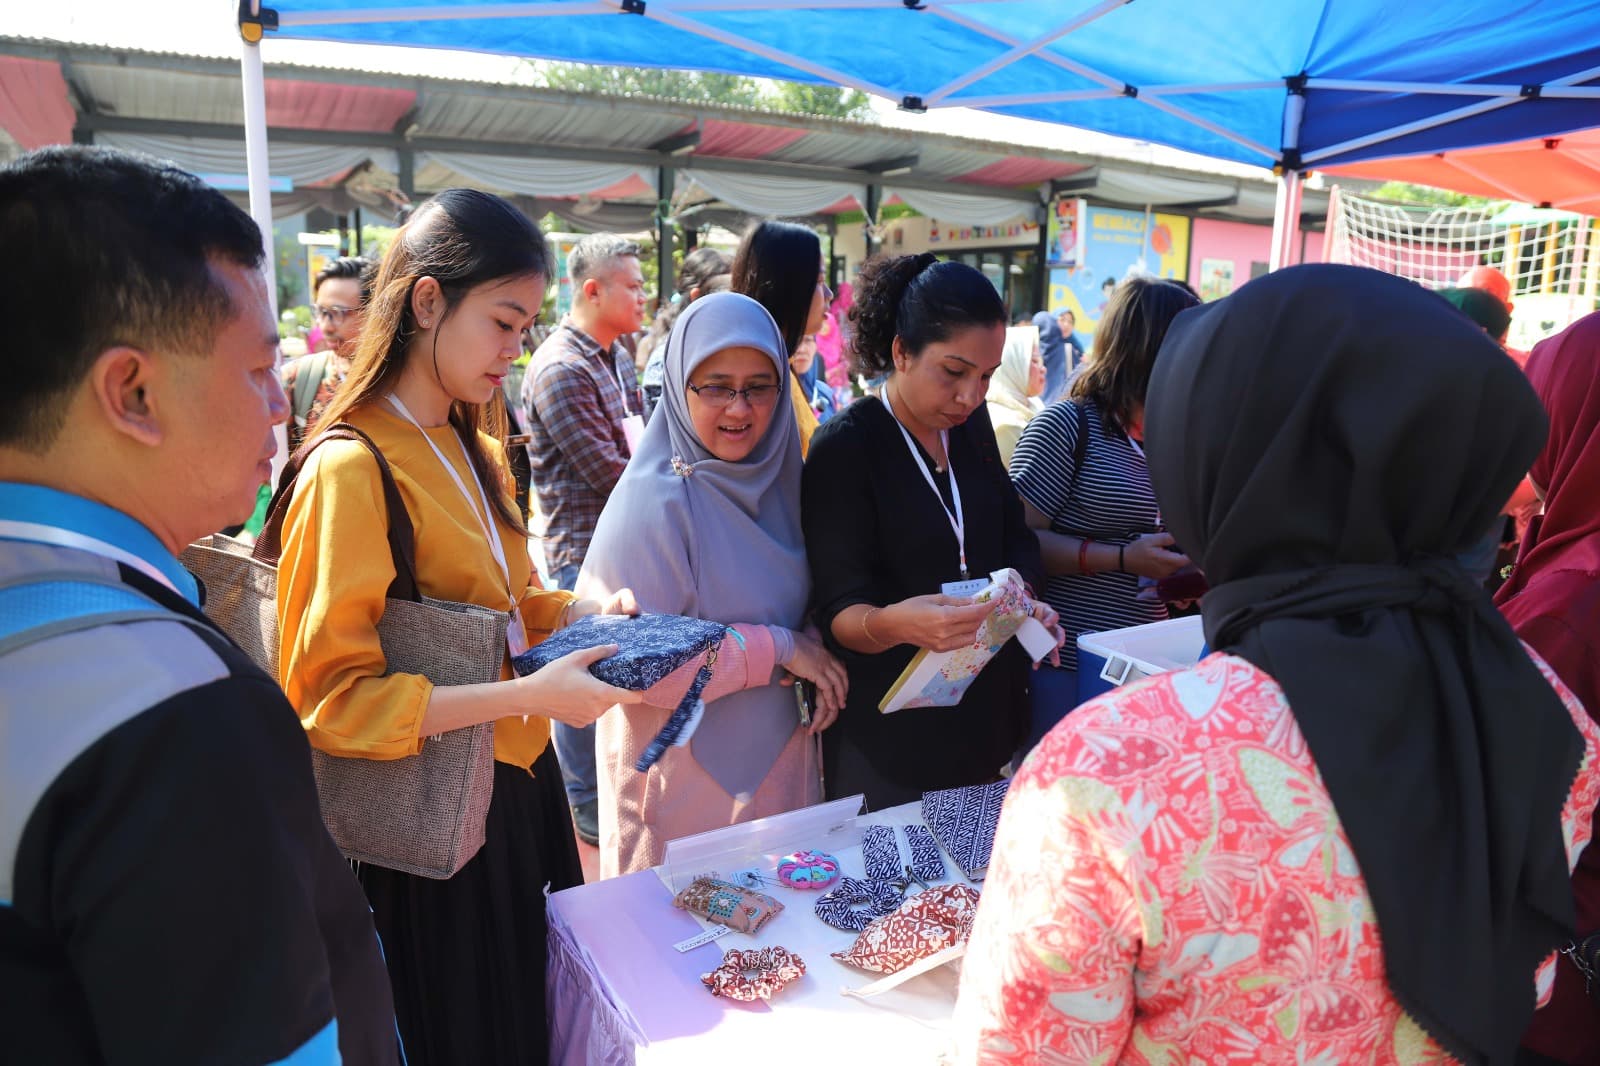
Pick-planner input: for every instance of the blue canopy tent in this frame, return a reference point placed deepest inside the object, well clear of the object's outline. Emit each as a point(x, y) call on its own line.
point(1292, 84)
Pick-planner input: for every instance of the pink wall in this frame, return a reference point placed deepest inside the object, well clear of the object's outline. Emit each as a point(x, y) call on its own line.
point(1242, 243)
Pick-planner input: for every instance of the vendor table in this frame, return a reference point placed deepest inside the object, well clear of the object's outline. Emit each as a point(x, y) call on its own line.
point(620, 994)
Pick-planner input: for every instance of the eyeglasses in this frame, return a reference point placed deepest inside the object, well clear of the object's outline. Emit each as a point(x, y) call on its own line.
point(720, 396)
point(333, 313)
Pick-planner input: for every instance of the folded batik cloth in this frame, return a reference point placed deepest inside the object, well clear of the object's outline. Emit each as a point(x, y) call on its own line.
point(964, 821)
point(924, 925)
point(655, 650)
point(739, 909)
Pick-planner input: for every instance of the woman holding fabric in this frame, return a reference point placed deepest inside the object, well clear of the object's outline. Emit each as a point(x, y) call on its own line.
point(1085, 487)
point(1345, 835)
point(905, 498)
point(779, 265)
point(466, 955)
point(1014, 391)
point(1553, 602)
point(716, 483)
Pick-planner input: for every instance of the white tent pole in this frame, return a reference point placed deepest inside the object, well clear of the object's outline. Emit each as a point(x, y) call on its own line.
point(258, 169)
point(257, 166)
point(1286, 207)
point(1426, 88)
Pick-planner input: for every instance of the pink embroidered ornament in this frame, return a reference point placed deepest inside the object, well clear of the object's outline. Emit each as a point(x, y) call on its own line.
point(808, 869)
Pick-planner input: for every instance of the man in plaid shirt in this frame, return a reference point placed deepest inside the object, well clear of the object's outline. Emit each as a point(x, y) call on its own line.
point(578, 394)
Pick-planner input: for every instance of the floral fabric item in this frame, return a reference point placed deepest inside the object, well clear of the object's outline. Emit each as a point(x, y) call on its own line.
point(1172, 884)
point(964, 820)
point(924, 925)
point(739, 909)
point(651, 648)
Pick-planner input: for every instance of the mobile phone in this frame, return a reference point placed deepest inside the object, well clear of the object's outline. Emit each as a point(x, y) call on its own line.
point(804, 698)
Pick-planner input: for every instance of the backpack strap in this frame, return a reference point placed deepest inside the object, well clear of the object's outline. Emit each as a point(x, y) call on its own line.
point(401, 533)
point(40, 606)
point(309, 374)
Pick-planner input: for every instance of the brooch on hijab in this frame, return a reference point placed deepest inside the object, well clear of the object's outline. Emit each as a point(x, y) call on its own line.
point(681, 468)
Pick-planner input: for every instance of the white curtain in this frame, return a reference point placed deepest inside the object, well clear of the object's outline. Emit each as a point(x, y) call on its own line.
point(765, 195)
point(965, 208)
point(532, 176)
point(1128, 187)
point(303, 164)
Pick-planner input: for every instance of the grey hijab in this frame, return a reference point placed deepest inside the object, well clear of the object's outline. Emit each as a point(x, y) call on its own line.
point(694, 535)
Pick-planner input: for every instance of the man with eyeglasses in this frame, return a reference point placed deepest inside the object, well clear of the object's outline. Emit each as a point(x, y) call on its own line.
point(338, 305)
point(582, 408)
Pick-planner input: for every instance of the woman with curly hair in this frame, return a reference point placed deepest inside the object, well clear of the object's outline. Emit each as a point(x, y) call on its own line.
point(903, 494)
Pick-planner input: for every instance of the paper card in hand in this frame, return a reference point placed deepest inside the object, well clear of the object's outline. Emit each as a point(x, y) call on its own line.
point(941, 678)
point(652, 646)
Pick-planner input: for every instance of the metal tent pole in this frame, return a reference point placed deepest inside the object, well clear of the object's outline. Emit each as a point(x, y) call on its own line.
point(1286, 206)
point(253, 21)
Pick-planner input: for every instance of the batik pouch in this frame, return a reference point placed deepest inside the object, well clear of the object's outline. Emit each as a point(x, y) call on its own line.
point(924, 925)
point(651, 648)
point(739, 909)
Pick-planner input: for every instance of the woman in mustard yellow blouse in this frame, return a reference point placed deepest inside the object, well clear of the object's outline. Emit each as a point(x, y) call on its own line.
point(466, 955)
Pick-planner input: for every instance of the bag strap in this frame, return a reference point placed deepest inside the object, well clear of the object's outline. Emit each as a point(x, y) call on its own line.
point(307, 381)
point(1080, 443)
point(401, 534)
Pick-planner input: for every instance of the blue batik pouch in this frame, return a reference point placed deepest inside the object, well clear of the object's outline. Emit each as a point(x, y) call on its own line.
point(652, 646)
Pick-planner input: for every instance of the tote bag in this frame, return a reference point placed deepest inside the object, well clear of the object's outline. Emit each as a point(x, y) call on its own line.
point(423, 814)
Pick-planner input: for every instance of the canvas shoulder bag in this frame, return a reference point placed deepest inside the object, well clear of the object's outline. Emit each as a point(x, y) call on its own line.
point(423, 814)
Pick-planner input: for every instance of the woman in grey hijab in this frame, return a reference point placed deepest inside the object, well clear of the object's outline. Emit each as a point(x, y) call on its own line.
point(706, 523)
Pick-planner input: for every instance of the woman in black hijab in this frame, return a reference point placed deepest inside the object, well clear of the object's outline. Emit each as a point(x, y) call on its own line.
point(1323, 447)
point(1321, 442)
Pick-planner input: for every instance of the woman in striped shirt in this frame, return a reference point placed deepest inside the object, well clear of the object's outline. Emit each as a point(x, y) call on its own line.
point(1080, 470)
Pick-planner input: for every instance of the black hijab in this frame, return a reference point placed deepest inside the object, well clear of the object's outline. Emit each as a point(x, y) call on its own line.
point(1321, 443)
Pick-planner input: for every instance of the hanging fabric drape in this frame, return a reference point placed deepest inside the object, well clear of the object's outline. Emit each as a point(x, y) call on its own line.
point(532, 176)
point(762, 194)
point(963, 208)
point(303, 164)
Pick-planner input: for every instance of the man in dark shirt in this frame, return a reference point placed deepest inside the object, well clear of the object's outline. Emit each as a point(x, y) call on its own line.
point(581, 400)
point(168, 892)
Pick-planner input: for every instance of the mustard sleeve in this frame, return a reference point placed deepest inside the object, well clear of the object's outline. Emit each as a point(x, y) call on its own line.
point(333, 578)
point(541, 611)
point(804, 416)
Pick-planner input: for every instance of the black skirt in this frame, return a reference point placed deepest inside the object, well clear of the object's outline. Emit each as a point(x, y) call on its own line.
point(467, 956)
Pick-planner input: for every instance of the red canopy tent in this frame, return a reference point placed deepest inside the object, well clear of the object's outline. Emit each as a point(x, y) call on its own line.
point(1560, 172)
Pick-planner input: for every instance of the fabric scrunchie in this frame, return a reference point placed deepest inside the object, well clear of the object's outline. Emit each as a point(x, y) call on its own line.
point(769, 970)
point(851, 904)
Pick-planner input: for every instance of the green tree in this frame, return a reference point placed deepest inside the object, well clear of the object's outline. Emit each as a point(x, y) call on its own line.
point(826, 101)
point(1403, 192)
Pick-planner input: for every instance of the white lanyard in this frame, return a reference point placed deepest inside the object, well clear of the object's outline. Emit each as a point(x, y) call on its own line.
point(486, 517)
point(617, 369)
point(38, 533)
point(958, 521)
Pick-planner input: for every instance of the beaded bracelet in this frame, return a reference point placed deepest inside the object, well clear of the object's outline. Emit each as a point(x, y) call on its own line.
point(768, 970)
point(851, 904)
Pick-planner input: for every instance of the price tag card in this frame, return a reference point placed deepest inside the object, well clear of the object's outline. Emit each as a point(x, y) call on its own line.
point(706, 937)
point(964, 588)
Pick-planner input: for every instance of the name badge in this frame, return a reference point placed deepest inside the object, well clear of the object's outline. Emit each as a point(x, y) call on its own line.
point(516, 635)
point(632, 430)
point(964, 588)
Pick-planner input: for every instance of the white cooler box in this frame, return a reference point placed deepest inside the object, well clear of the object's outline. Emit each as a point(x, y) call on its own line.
point(1107, 660)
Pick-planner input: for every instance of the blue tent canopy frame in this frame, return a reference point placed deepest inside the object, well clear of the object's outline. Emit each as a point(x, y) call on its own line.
point(1289, 84)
